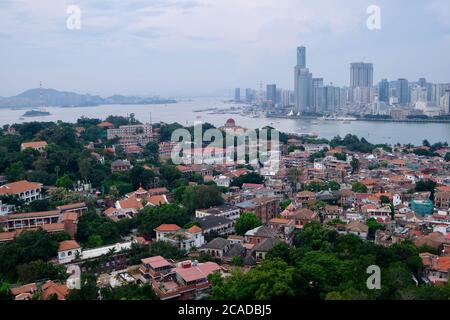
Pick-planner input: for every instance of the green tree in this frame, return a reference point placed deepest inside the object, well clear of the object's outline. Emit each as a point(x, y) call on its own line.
point(447, 156)
point(64, 182)
point(166, 250)
point(359, 187)
point(40, 270)
point(15, 171)
point(152, 217)
point(201, 196)
point(247, 221)
point(385, 199)
point(251, 177)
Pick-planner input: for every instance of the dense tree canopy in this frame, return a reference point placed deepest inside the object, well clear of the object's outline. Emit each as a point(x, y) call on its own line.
point(201, 197)
point(246, 221)
point(324, 265)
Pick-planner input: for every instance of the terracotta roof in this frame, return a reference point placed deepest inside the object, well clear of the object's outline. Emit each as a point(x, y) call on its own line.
point(70, 216)
point(27, 288)
point(158, 190)
point(68, 245)
point(279, 221)
point(156, 262)
point(32, 215)
point(72, 206)
point(19, 187)
point(194, 229)
point(53, 227)
point(158, 200)
point(198, 272)
point(105, 124)
point(131, 203)
point(51, 288)
point(34, 144)
point(7, 236)
point(168, 228)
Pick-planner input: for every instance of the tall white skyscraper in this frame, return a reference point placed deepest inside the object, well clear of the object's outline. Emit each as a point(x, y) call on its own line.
point(302, 83)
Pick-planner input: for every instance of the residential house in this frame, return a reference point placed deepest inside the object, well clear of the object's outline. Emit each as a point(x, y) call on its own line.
point(184, 239)
point(24, 190)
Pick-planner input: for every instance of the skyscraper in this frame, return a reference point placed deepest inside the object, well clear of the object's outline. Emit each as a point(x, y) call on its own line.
point(271, 93)
point(318, 94)
point(302, 83)
point(446, 101)
point(422, 82)
point(301, 57)
point(249, 95)
point(361, 75)
point(403, 91)
point(237, 94)
point(303, 89)
point(383, 91)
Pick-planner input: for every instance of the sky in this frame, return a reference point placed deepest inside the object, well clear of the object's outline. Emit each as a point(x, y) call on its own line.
point(208, 47)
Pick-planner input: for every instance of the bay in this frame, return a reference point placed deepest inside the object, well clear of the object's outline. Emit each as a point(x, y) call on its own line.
point(184, 112)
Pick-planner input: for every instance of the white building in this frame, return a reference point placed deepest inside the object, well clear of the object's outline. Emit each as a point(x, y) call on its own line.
point(183, 239)
point(25, 190)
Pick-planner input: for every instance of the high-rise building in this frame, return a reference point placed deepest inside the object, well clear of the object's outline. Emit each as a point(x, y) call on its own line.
point(318, 94)
point(286, 98)
point(361, 75)
point(271, 93)
point(302, 83)
point(446, 102)
point(303, 89)
point(383, 91)
point(403, 91)
point(301, 57)
point(333, 99)
point(419, 94)
point(422, 82)
point(237, 94)
point(249, 97)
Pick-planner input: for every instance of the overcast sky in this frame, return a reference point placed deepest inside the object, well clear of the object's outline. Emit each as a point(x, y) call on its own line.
point(204, 47)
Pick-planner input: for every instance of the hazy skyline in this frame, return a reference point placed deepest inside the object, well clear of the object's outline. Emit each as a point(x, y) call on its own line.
point(200, 47)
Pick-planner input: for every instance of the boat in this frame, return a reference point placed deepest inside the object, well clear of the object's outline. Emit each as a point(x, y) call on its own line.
point(36, 113)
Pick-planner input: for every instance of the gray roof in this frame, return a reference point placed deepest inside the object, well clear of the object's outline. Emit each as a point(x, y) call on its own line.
point(217, 243)
point(212, 221)
point(266, 245)
point(236, 250)
point(261, 231)
point(220, 209)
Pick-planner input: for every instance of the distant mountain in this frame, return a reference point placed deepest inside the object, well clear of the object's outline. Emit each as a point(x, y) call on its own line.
point(54, 98)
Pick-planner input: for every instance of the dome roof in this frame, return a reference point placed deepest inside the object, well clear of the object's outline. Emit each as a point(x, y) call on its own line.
point(230, 123)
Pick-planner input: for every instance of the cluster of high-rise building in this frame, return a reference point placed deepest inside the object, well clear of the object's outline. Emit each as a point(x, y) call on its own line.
point(312, 95)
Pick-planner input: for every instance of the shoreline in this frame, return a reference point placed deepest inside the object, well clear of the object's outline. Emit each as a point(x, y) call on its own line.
point(371, 120)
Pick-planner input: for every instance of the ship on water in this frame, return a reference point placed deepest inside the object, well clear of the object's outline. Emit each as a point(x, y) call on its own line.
point(36, 113)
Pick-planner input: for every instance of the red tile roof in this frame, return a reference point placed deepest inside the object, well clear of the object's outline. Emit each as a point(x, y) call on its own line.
point(68, 245)
point(168, 228)
point(156, 262)
point(194, 229)
point(19, 187)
